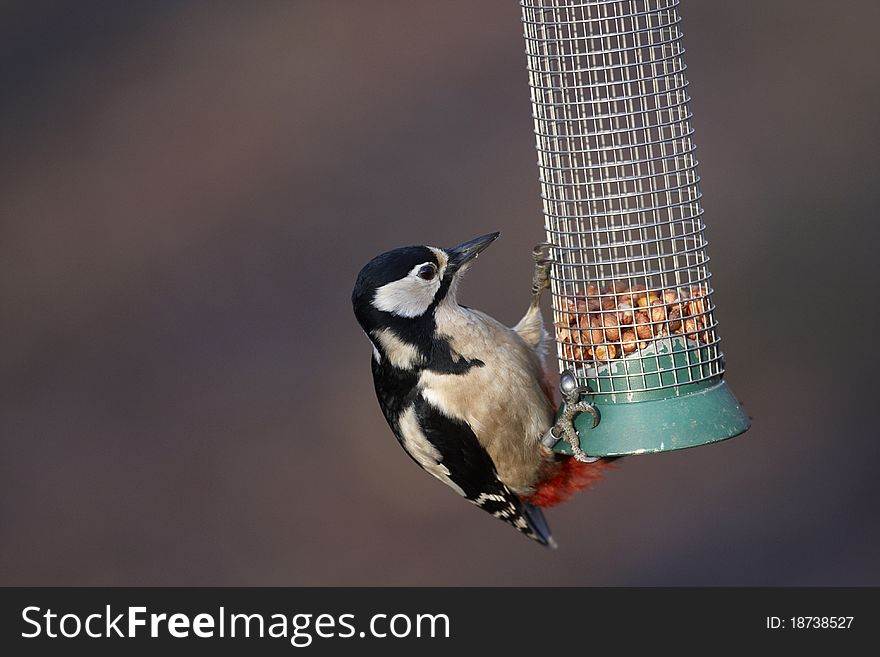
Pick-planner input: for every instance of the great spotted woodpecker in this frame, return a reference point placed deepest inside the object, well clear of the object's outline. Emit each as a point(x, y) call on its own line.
point(466, 396)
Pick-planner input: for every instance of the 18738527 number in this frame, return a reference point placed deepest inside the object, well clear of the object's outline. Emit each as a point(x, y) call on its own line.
point(810, 622)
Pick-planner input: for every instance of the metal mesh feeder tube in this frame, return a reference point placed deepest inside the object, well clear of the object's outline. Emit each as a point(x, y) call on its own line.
point(632, 298)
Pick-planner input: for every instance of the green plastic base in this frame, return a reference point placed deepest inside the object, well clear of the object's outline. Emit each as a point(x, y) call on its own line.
point(699, 414)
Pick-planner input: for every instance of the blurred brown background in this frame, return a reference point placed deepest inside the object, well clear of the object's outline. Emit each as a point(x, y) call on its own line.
point(188, 190)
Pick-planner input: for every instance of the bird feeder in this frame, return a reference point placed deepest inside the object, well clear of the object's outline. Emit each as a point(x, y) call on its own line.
point(632, 297)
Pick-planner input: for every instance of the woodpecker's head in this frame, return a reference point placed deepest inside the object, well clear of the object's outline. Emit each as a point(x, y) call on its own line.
point(406, 285)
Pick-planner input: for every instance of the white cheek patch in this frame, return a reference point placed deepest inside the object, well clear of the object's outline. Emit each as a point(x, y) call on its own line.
point(409, 297)
point(401, 354)
point(421, 449)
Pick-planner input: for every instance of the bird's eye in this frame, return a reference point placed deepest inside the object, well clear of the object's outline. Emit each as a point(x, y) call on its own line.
point(427, 272)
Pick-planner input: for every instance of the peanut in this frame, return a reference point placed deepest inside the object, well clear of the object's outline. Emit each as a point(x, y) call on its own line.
point(658, 311)
point(643, 328)
point(596, 335)
point(612, 327)
point(630, 316)
point(698, 306)
point(562, 334)
point(604, 352)
point(674, 319)
point(625, 313)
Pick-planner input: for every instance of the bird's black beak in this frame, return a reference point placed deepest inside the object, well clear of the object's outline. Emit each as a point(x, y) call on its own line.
point(463, 253)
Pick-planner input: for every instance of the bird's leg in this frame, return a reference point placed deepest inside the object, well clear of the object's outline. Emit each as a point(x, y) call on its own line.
point(571, 392)
point(541, 277)
point(564, 427)
point(531, 327)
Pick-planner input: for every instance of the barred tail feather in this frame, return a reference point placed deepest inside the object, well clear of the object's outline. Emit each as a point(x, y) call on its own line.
point(506, 506)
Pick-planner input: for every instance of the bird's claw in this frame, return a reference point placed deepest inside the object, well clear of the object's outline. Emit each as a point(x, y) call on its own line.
point(564, 427)
point(586, 407)
point(541, 252)
point(543, 262)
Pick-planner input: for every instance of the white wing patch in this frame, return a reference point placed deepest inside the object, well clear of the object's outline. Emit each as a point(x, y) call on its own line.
point(489, 497)
point(436, 396)
point(421, 449)
point(400, 353)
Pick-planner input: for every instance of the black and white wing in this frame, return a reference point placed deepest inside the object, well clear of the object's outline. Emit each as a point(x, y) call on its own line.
point(448, 449)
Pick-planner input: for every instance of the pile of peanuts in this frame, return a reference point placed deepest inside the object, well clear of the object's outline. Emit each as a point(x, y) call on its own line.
point(615, 322)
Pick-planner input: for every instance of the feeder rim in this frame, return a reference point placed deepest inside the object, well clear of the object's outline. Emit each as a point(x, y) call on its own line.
point(654, 392)
point(585, 364)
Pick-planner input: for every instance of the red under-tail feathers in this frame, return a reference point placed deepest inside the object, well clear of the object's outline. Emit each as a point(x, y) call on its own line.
point(565, 475)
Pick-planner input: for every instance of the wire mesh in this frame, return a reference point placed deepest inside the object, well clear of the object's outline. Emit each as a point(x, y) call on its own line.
point(632, 300)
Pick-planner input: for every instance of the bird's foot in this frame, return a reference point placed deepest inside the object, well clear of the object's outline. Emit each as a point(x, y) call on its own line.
point(564, 428)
